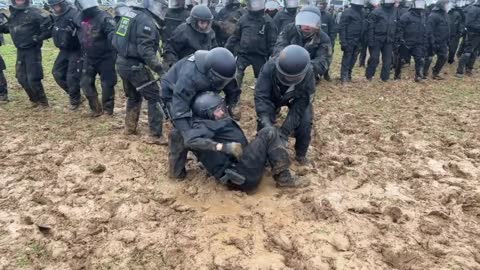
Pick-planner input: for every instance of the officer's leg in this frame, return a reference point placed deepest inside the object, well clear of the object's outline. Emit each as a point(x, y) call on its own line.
point(21, 75)
point(398, 64)
point(353, 59)
point(242, 63)
point(34, 70)
point(372, 61)
point(363, 55)
point(461, 46)
point(428, 62)
point(442, 54)
point(303, 135)
point(387, 54)
point(452, 49)
point(73, 78)
point(177, 155)
point(346, 62)
point(462, 63)
point(134, 106)
point(418, 54)
point(108, 79)
point(60, 69)
point(3, 82)
point(471, 61)
point(257, 62)
point(87, 83)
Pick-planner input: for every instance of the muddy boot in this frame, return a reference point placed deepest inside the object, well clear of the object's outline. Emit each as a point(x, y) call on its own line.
point(286, 180)
point(131, 119)
point(302, 160)
point(437, 77)
point(95, 106)
point(4, 99)
point(74, 107)
point(159, 140)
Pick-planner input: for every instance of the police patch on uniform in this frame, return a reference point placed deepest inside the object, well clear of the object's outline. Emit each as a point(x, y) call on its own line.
point(147, 30)
point(123, 26)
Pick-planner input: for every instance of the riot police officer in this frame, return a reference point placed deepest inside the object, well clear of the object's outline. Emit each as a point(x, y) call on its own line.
point(287, 80)
point(457, 25)
point(472, 42)
point(382, 24)
point(195, 34)
point(67, 68)
point(413, 38)
point(176, 15)
point(287, 15)
point(226, 20)
point(96, 29)
point(351, 32)
point(368, 8)
point(3, 80)
point(439, 30)
point(222, 148)
point(28, 27)
point(137, 40)
point(271, 8)
point(328, 26)
point(253, 39)
point(306, 32)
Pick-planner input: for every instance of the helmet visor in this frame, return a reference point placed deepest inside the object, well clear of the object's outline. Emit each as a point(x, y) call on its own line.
point(256, 5)
point(419, 4)
point(291, 3)
point(307, 18)
point(156, 7)
point(218, 81)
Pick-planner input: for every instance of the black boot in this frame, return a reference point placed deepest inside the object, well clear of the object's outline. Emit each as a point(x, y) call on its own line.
point(285, 180)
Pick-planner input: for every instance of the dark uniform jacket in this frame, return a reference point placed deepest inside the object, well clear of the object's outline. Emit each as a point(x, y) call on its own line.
point(412, 29)
point(226, 21)
point(283, 18)
point(438, 28)
point(328, 25)
point(173, 18)
point(351, 30)
point(457, 21)
point(472, 22)
point(64, 30)
point(382, 26)
point(28, 27)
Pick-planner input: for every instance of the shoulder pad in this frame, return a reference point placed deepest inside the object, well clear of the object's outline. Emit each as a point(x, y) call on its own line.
point(130, 14)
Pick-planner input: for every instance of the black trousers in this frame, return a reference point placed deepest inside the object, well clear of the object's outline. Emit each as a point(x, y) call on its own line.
point(29, 73)
point(418, 54)
point(441, 51)
point(348, 62)
point(3, 81)
point(266, 147)
point(302, 133)
point(133, 77)
point(467, 60)
point(453, 47)
point(386, 49)
point(105, 67)
point(245, 60)
point(363, 55)
point(67, 71)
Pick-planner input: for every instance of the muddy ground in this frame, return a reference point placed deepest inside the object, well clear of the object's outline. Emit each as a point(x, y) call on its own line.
point(395, 185)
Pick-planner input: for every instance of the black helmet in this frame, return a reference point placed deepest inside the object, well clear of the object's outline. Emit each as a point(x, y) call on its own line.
point(206, 103)
point(256, 5)
point(441, 5)
point(61, 3)
point(24, 6)
point(309, 16)
point(218, 65)
point(157, 8)
point(176, 3)
point(292, 65)
point(232, 2)
point(200, 13)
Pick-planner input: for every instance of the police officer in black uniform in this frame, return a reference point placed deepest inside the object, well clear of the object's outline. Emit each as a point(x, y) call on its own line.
point(439, 36)
point(287, 15)
point(253, 39)
point(3, 80)
point(413, 38)
point(351, 33)
point(457, 25)
point(382, 24)
point(176, 15)
point(271, 8)
point(472, 42)
point(28, 27)
point(67, 68)
point(195, 34)
point(222, 148)
point(137, 40)
point(226, 20)
point(288, 80)
point(306, 32)
point(369, 7)
point(96, 30)
point(328, 26)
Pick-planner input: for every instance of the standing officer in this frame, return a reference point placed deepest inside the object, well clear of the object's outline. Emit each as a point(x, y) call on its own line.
point(287, 15)
point(439, 31)
point(271, 8)
point(472, 42)
point(226, 20)
point(96, 30)
point(253, 40)
point(176, 15)
point(28, 27)
point(287, 80)
point(67, 68)
point(369, 7)
point(306, 32)
point(3, 80)
point(136, 41)
point(222, 148)
point(195, 34)
point(413, 38)
point(351, 32)
point(382, 24)
point(328, 26)
point(457, 25)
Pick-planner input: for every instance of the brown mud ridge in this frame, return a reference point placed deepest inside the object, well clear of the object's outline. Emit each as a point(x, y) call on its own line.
point(395, 185)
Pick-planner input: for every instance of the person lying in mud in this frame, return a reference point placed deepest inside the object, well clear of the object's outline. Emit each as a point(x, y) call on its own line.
point(221, 146)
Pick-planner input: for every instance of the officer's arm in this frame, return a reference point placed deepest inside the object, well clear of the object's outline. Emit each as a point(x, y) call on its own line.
point(324, 52)
point(264, 106)
point(234, 39)
point(46, 26)
point(183, 93)
point(232, 93)
point(4, 23)
point(298, 106)
point(331, 29)
point(272, 36)
point(174, 45)
point(282, 41)
point(199, 138)
point(146, 36)
point(109, 27)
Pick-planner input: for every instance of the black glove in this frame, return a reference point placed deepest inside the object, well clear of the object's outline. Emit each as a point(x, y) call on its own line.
point(233, 148)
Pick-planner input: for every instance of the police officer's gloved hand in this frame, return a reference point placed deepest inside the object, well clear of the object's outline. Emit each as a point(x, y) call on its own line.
point(235, 149)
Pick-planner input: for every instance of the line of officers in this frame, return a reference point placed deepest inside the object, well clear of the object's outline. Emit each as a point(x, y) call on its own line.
point(195, 70)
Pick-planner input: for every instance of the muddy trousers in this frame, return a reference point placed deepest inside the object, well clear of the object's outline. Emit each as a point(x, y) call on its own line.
point(386, 49)
point(3, 81)
point(29, 73)
point(348, 62)
point(453, 47)
point(467, 60)
point(418, 54)
point(441, 51)
point(133, 77)
point(266, 147)
point(245, 60)
point(67, 71)
point(105, 67)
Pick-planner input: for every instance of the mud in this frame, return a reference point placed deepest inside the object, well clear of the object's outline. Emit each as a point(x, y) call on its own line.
point(395, 184)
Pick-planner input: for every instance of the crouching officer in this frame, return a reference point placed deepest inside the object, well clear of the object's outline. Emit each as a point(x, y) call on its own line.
point(221, 146)
point(67, 68)
point(137, 40)
point(287, 80)
point(306, 32)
